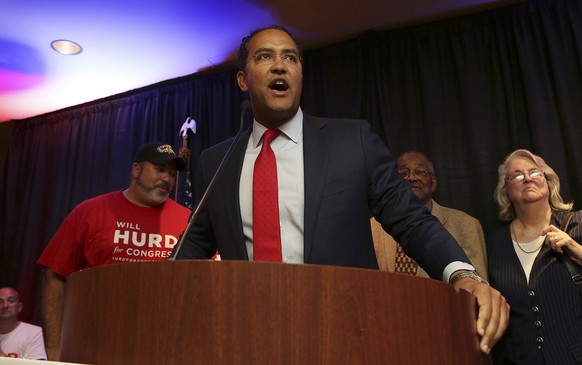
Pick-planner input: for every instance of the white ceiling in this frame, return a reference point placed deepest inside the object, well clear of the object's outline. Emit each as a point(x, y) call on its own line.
point(128, 44)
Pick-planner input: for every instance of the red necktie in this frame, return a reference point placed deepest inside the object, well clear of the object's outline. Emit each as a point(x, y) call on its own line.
point(266, 226)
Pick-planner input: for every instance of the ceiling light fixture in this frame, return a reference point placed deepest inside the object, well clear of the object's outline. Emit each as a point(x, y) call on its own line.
point(66, 47)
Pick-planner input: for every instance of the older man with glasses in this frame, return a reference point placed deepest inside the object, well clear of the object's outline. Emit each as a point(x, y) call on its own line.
point(418, 170)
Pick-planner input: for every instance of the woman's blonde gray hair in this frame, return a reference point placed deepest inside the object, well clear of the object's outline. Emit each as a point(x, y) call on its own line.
point(506, 210)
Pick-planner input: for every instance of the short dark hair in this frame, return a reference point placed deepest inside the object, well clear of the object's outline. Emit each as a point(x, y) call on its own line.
point(243, 51)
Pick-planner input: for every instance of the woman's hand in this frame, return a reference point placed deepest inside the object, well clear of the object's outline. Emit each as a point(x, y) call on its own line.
point(561, 242)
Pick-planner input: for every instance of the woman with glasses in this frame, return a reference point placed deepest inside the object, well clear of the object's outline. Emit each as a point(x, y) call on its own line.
point(545, 325)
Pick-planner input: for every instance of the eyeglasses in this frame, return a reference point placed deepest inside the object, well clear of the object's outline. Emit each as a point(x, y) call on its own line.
point(268, 58)
point(416, 172)
point(519, 176)
point(10, 300)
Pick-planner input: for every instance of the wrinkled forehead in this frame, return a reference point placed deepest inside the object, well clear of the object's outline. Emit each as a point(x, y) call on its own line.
point(272, 39)
point(520, 164)
point(6, 293)
point(412, 161)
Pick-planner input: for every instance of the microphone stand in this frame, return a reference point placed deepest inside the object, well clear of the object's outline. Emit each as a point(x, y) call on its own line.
point(244, 108)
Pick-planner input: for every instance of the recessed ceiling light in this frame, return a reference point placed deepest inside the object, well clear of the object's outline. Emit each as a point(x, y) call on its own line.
point(64, 46)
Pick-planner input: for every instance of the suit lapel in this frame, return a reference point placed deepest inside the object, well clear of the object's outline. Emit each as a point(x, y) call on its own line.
point(439, 212)
point(230, 191)
point(315, 157)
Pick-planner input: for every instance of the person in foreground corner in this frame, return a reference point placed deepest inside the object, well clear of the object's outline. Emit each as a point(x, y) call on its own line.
point(525, 265)
point(18, 339)
point(418, 170)
point(322, 178)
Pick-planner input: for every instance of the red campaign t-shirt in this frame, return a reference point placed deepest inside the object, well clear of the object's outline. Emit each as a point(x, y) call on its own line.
point(110, 229)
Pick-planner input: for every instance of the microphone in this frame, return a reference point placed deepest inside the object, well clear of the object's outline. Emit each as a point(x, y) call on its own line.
point(244, 108)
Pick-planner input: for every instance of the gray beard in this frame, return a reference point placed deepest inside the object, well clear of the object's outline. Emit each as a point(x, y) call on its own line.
point(151, 192)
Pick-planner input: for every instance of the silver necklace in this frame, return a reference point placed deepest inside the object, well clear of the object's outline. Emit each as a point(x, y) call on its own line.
point(519, 245)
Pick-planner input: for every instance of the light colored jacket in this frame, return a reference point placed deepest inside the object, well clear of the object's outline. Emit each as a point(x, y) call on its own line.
point(464, 228)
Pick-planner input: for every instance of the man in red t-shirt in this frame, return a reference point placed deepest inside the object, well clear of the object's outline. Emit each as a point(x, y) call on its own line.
point(137, 224)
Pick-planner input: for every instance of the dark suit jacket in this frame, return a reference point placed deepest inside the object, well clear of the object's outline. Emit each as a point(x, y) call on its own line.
point(349, 175)
point(545, 324)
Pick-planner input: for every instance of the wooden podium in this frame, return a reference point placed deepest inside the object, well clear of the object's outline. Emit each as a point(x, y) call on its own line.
point(230, 312)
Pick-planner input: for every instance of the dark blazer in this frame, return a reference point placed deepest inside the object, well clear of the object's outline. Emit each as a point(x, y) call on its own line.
point(545, 323)
point(349, 175)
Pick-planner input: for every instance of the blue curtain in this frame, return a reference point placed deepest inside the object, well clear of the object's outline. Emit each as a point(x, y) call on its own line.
point(466, 91)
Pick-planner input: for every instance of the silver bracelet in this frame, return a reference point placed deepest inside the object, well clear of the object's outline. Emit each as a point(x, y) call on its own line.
point(468, 274)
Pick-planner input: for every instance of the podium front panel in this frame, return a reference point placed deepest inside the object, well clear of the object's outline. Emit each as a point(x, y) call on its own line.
point(232, 312)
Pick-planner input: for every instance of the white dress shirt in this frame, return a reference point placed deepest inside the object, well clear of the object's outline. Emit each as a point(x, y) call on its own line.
point(288, 149)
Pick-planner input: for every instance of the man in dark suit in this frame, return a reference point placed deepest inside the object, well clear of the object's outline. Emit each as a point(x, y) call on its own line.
point(332, 174)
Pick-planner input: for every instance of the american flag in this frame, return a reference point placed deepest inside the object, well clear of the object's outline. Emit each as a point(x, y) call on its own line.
point(188, 200)
point(189, 125)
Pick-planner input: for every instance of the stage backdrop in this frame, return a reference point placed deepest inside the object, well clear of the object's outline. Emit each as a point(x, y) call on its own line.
point(465, 91)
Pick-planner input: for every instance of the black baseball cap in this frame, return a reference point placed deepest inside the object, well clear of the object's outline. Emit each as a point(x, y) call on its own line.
point(159, 153)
